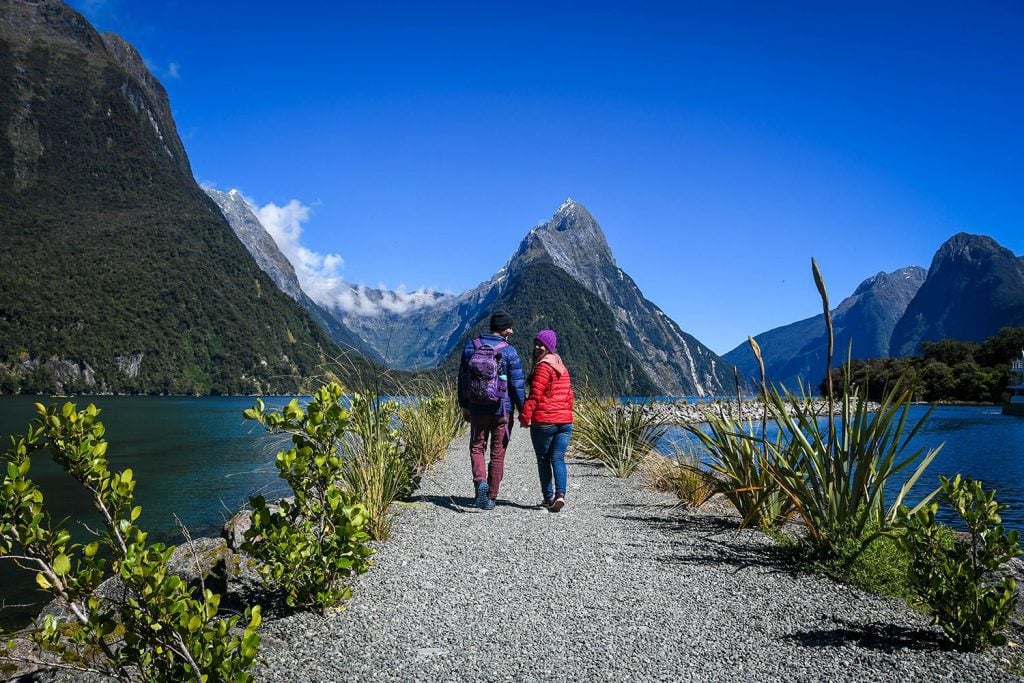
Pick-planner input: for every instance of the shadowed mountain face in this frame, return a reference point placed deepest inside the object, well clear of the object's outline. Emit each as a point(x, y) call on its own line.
point(796, 354)
point(119, 273)
point(974, 288)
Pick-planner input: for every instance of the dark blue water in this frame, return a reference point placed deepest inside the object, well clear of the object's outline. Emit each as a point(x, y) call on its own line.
point(192, 457)
point(979, 442)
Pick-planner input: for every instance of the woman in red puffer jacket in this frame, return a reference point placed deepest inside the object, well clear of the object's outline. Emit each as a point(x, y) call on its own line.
point(548, 413)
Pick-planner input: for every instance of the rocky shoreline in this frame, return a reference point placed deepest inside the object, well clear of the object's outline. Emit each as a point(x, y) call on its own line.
point(683, 413)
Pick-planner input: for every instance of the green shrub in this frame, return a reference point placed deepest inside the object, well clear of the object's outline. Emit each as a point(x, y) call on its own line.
point(310, 546)
point(617, 436)
point(956, 580)
point(159, 631)
point(882, 568)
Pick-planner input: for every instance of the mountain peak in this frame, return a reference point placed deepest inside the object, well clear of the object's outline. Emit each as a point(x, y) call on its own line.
point(573, 216)
point(910, 274)
point(967, 248)
point(571, 240)
point(975, 286)
point(568, 206)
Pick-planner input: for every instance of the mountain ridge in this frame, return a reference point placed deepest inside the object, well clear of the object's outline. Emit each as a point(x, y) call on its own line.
point(795, 355)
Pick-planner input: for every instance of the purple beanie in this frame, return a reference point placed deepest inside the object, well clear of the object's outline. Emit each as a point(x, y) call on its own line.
point(548, 339)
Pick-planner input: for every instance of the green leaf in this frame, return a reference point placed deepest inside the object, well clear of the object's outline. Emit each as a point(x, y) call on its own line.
point(43, 582)
point(61, 565)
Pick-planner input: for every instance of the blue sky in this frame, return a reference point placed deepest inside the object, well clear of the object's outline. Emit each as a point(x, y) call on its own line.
point(720, 145)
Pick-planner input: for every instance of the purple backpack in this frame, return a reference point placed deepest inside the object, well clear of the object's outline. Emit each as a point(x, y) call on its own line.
point(487, 385)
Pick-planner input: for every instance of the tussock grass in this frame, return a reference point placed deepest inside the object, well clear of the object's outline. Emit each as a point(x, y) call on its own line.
point(428, 426)
point(680, 474)
point(376, 469)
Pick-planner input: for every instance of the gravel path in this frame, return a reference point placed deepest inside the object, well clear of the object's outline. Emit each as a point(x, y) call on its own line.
point(617, 585)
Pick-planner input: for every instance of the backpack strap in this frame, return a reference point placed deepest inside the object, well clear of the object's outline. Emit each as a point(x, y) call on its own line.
point(502, 363)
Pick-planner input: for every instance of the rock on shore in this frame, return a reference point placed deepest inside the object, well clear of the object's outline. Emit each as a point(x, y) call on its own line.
point(683, 413)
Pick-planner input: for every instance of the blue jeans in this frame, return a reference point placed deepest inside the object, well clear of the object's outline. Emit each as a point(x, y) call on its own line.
point(550, 443)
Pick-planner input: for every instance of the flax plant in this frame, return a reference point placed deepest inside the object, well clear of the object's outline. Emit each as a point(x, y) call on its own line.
point(376, 469)
point(835, 475)
point(617, 436)
point(737, 458)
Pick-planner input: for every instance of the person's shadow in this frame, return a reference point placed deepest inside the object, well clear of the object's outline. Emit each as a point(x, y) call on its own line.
point(468, 503)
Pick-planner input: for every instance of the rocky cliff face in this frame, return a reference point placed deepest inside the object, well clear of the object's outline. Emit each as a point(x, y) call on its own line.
point(243, 221)
point(974, 288)
point(796, 355)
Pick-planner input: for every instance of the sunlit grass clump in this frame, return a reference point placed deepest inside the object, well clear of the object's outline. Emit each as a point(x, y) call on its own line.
point(680, 474)
point(430, 423)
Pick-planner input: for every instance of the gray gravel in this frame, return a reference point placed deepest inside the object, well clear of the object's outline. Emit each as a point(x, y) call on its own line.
point(617, 585)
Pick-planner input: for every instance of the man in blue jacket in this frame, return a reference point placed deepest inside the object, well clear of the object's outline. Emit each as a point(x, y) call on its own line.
point(488, 402)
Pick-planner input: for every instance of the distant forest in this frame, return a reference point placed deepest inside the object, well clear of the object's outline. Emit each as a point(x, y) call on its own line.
point(945, 370)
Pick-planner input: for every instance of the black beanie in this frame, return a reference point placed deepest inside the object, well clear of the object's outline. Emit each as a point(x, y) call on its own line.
point(500, 320)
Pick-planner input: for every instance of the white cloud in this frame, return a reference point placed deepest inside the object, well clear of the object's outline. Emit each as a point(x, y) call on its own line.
point(172, 70)
point(320, 274)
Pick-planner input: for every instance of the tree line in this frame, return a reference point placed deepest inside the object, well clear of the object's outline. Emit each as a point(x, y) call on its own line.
point(947, 370)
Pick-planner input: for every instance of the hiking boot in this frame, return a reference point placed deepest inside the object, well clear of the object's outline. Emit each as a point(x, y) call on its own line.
point(482, 489)
point(558, 503)
point(489, 505)
point(546, 503)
